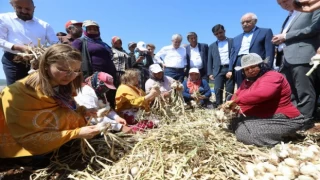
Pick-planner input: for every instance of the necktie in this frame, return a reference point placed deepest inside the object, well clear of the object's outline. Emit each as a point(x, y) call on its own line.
point(285, 21)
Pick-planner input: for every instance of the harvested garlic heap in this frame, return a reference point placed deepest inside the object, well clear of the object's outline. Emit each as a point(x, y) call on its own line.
point(286, 162)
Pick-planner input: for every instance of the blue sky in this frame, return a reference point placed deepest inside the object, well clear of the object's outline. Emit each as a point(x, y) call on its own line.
point(155, 21)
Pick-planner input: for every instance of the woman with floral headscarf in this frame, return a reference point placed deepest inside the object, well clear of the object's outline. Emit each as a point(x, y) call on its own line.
point(197, 89)
point(94, 90)
point(97, 55)
point(120, 58)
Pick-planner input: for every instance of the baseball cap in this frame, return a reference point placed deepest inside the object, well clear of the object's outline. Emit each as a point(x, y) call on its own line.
point(72, 22)
point(194, 70)
point(131, 44)
point(142, 46)
point(87, 23)
point(249, 60)
point(107, 79)
point(155, 68)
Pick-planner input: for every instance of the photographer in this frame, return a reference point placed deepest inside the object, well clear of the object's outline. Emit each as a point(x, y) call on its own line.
point(143, 61)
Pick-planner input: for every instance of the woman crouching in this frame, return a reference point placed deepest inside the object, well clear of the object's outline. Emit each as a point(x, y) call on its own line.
point(38, 113)
point(130, 99)
point(264, 97)
point(93, 95)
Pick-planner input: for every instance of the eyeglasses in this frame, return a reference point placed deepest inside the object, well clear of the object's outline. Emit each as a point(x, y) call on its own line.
point(68, 72)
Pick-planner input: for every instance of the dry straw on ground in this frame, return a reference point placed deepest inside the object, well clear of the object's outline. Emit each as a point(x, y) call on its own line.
point(190, 146)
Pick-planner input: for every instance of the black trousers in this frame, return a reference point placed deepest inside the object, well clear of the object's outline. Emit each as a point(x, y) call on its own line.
point(302, 87)
point(238, 75)
point(220, 81)
point(13, 71)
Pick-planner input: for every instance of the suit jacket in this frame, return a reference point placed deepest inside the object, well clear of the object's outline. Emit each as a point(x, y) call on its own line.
point(302, 38)
point(214, 61)
point(260, 44)
point(203, 49)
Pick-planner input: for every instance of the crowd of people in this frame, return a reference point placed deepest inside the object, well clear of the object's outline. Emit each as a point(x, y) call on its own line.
point(80, 73)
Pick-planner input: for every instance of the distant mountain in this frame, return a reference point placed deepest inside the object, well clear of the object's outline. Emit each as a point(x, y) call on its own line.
point(3, 82)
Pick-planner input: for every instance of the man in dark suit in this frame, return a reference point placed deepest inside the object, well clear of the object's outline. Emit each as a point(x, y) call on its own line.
point(197, 54)
point(297, 43)
point(252, 40)
point(218, 63)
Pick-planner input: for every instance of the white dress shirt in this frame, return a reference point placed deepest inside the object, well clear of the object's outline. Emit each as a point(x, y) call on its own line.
point(172, 57)
point(223, 47)
point(87, 97)
point(246, 42)
point(286, 27)
point(195, 57)
point(16, 31)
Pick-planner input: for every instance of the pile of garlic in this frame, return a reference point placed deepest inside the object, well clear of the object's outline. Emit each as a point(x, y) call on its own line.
point(286, 162)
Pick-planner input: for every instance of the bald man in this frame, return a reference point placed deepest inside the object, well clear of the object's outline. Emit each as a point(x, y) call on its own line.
point(18, 29)
point(252, 40)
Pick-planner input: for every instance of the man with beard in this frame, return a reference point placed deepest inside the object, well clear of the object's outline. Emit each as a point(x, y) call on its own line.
point(74, 30)
point(17, 30)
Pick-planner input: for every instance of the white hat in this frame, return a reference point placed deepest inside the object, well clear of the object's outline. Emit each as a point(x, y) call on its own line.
point(142, 46)
point(87, 23)
point(249, 60)
point(155, 68)
point(194, 70)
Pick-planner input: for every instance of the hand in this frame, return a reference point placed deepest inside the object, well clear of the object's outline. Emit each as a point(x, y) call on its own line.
point(211, 77)
point(229, 75)
point(278, 39)
point(318, 51)
point(21, 48)
point(126, 129)
point(121, 120)
point(202, 97)
point(140, 58)
point(88, 132)
point(91, 112)
point(195, 97)
point(155, 92)
point(307, 5)
point(229, 105)
point(166, 94)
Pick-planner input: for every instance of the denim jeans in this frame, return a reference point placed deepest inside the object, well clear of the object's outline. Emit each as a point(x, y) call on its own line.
point(13, 71)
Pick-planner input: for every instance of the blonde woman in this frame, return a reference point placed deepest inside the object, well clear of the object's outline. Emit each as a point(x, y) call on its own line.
point(38, 113)
point(130, 97)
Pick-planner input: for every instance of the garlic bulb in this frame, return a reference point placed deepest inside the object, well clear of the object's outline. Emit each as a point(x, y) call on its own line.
point(250, 168)
point(291, 162)
point(286, 171)
point(269, 167)
point(282, 178)
point(174, 85)
point(268, 176)
point(134, 171)
point(304, 177)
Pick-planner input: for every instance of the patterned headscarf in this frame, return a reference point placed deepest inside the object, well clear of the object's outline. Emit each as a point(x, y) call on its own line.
point(98, 85)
